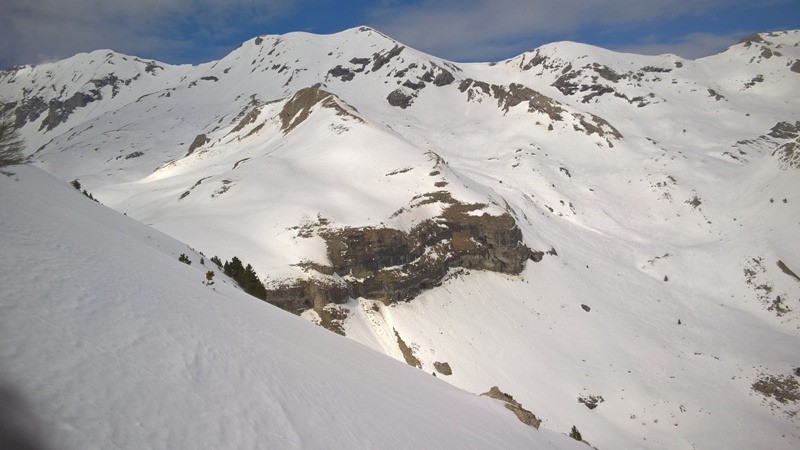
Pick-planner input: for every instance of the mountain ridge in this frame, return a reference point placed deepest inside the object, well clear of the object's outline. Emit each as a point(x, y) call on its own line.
point(659, 193)
point(134, 350)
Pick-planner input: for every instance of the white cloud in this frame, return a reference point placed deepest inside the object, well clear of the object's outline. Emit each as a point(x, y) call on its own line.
point(474, 29)
point(691, 46)
point(187, 30)
point(60, 28)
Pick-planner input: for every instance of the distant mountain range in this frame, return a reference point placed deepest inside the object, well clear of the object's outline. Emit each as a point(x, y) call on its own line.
point(613, 239)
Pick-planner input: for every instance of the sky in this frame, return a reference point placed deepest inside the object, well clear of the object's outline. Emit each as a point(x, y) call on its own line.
point(196, 31)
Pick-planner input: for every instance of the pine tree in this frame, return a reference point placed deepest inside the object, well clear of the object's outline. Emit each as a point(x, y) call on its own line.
point(575, 434)
point(251, 284)
point(234, 269)
point(245, 277)
point(209, 277)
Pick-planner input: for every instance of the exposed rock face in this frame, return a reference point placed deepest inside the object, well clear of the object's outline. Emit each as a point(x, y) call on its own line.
point(392, 265)
point(444, 78)
point(382, 58)
point(108, 80)
point(591, 401)
point(524, 416)
point(514, 94)
point(443, 368)
point(341, 73)
point(199, 141)
point(29, 110)
point(247, 119)
point(789, 152)
point(307, 294)
point(408, 352)
point(299, 107)
point(59, 111)
point(785, 130)
point(400, 99)
point(517, 93)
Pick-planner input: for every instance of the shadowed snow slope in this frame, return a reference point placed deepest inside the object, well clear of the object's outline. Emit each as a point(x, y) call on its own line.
point(116, 344)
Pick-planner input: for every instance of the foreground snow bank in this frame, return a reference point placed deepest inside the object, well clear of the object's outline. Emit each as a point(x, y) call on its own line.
point(114, 343)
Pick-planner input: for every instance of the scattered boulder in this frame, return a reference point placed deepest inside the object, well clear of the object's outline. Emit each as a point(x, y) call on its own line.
point(444, 368)
point(591, 401)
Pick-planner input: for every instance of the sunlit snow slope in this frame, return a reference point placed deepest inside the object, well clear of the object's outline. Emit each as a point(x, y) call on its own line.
point(113, 343)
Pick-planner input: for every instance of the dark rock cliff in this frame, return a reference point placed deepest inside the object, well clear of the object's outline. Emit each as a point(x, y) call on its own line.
point(393, 265)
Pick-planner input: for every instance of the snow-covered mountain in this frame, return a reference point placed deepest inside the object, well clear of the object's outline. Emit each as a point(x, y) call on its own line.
point(111, 342)
point(610, 238)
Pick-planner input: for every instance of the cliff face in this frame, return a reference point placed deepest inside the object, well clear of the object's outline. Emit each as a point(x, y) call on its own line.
point(392, 265)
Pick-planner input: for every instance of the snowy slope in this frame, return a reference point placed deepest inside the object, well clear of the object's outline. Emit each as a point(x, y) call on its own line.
point(666, 189)
point(114, 343)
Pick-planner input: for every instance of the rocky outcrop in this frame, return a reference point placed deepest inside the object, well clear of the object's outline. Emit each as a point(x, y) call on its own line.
point(297, 108)
point(408, 352)
point(515, 94)
point(392, 265)
point(443, 368)
point(199, 141)
point(59, 111)
point(785, 130)
point(591, 401)
point(400, 99)
point(29, 110)
point(301, 295)
point(381, 58)
point(341, 73)
point(787, 153)
point(524, 415)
